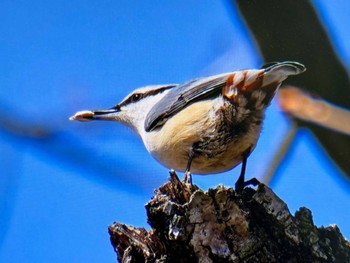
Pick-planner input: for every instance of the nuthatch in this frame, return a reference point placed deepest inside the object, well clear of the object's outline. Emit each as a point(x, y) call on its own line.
point(206, 125)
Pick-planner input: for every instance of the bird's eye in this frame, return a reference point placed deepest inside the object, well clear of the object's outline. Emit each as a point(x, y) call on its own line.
point(135, 97)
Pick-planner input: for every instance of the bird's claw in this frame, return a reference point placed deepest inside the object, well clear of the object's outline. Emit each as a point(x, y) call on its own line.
point(187, 179)
point(240, 185)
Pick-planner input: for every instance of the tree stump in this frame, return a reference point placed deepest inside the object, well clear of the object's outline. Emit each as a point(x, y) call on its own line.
point(221, 225)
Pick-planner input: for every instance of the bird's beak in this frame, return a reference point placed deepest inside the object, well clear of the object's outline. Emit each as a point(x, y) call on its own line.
point(86, 115)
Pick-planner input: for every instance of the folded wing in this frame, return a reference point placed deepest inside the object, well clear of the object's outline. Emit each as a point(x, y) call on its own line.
point(227, 84)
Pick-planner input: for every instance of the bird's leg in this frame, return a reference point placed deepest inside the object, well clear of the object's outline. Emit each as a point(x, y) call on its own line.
point(241, 183)
point(187, 176)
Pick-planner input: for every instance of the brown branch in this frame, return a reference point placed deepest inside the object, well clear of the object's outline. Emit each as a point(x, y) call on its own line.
point(301, 105)
point(220, 225)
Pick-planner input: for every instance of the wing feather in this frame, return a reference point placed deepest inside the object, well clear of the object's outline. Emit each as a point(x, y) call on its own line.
point(243, 82)
point(182, 95)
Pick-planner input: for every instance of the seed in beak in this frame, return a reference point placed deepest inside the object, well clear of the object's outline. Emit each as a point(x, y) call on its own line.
point(82, 116)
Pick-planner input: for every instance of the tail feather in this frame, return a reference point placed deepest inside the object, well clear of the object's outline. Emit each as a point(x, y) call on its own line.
point(254, 89)
point(277, 72)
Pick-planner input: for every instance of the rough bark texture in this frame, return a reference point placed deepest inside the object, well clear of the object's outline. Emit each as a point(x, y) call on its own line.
point(221, 225)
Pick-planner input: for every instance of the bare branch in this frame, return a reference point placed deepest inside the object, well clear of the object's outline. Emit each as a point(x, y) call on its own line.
point(301, 105)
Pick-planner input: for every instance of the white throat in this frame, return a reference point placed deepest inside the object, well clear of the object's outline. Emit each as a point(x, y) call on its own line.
point(134, 114)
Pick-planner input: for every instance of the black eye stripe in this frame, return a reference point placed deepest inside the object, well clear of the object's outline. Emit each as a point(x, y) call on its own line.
point(138, 96)
point(133, 98)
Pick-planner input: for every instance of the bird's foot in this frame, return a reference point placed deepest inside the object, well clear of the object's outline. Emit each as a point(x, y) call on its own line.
point(240, 184)
point(187, 179)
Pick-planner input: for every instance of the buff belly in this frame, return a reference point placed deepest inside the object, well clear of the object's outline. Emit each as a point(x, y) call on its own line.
point(173, 143)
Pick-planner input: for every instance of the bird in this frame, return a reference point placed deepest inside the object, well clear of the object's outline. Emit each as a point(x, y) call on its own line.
point(206, 125)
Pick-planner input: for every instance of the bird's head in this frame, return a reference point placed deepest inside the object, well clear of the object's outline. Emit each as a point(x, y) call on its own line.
point(132, 110)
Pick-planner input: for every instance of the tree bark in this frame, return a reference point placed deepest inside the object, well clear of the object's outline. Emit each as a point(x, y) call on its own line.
point(222, 225)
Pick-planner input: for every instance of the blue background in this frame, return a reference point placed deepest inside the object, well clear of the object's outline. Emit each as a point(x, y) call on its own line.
point(62, 183)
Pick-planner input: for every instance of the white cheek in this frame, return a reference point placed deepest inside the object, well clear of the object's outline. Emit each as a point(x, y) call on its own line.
point(135, 114)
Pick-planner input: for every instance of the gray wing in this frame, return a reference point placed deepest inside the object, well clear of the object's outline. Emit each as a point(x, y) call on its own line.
point(182, 95)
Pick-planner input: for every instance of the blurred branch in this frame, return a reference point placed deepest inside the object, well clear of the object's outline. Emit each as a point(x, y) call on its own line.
point(291, 30)
point(67, 149)
point(281, 154)
point(302, 106)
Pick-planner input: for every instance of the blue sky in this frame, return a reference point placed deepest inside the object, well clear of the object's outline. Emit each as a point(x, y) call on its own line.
point(61, 189)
